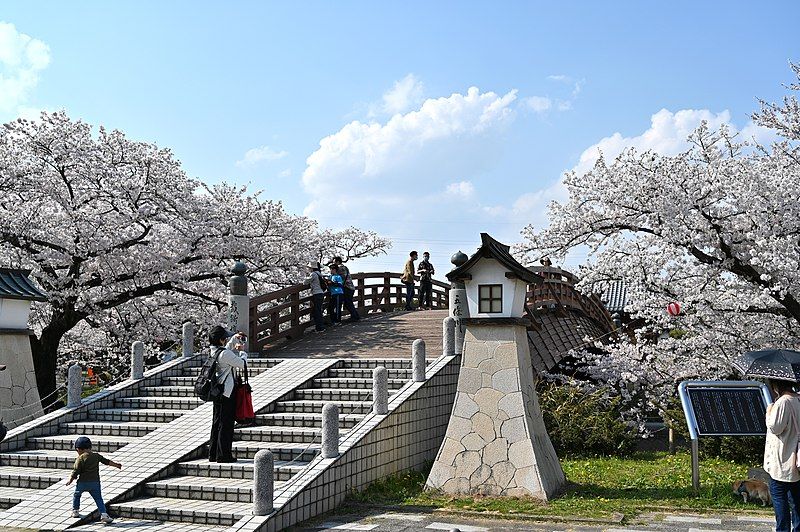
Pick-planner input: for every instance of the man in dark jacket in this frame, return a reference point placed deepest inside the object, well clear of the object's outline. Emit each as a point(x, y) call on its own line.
point(425, 271)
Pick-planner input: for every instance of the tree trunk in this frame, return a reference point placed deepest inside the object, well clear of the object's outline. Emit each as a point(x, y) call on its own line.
point(45, 352)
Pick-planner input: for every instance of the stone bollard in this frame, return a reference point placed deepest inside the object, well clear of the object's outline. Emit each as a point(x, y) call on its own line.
point(74, 386)
point(448, 336)
point(330, 430)
point(458, 331)
point(380, 391)
point(137, 360)
point(188, 339)
point(263, 482)
point(418, 360)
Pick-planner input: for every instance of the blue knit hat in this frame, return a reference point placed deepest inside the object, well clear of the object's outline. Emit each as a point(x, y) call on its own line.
point(82, 442)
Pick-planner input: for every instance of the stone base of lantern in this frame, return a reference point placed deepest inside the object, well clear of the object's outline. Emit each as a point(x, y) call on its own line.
point(19, 396)
point(496, 441)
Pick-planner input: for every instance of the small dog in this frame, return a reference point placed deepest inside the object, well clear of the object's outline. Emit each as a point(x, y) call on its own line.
point(752, 489)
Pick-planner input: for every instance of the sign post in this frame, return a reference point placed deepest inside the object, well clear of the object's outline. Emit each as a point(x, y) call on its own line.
point(722, 408)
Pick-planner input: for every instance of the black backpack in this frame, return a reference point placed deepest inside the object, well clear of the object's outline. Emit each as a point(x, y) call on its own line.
point(206, 387)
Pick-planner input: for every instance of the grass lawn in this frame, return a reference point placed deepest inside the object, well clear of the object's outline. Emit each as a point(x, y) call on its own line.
point(598, 488)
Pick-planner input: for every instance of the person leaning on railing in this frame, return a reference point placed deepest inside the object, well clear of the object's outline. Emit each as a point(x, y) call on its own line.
point(349, 288)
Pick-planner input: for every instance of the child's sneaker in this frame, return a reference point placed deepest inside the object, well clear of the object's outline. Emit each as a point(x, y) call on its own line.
point(76, 514)
point(105, 518)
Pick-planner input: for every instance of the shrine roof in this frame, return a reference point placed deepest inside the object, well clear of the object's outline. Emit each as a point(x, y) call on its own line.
point(492, 249)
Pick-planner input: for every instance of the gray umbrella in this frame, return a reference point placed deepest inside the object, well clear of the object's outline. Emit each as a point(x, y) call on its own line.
point(779, 364)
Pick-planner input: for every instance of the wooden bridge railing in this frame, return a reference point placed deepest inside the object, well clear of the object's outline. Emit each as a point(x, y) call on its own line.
point(285, 314)
point(559, 289)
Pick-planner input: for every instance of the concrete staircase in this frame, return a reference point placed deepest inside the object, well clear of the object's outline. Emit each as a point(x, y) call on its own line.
point(46, 460)
point(212, 495)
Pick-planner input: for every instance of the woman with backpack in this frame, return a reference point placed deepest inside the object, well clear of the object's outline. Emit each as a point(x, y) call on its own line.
point(225, 403)
point(318, 287)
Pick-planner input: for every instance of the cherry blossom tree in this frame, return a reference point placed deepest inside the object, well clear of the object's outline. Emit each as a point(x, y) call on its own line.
point(125, 244)
point(716, 228)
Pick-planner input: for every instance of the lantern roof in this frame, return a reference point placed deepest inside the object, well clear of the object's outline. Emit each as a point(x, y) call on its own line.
point(492, 249)
point(15, 284)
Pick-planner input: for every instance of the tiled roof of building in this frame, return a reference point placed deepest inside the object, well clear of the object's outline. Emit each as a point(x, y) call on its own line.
point(556, 334)
point(614, 296)
point(15, 284)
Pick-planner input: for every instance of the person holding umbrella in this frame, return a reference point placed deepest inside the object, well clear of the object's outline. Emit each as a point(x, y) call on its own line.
point(780, 455)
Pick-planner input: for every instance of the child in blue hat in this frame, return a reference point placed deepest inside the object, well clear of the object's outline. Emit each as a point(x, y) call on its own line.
point(87, 471)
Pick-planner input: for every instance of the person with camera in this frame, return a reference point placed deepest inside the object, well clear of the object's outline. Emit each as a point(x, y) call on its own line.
point(226, 346)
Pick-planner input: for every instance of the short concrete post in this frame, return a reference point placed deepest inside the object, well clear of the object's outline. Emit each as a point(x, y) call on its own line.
point(263, 482)
point(330, 430)
point(448, 336)
point(380, 391)
point(188, 339)
point(74, 386)
point(459, 330)
point(418, 360)
point(137, 360)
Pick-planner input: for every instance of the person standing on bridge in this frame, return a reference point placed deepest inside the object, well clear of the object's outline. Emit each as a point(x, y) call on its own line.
point(408, 279)
point(349, 289)
point(318, 287)
point(425, 271)
point(228, 356)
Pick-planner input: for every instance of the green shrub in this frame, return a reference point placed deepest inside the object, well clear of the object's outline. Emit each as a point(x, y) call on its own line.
point(582, 423)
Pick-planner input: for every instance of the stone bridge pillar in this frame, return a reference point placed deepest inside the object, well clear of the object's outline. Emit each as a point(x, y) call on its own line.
point(239, 301)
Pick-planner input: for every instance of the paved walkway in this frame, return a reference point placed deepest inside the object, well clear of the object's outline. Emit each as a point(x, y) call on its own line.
point(379, 335)
point(419, 522)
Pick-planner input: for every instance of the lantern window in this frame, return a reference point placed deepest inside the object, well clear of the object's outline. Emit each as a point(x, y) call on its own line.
point(490, 298)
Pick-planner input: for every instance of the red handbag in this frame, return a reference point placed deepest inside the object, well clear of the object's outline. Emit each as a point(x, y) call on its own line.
point(244, 399)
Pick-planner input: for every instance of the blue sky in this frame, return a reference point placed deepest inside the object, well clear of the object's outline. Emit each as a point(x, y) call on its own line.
point(411, 151)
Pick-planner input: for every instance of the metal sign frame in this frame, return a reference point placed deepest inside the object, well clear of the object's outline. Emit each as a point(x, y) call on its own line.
point(691, 420)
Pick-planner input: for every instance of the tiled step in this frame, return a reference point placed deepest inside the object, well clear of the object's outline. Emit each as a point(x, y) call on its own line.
point(203, 488)
point(315, 407)
point(241, 469)
point(110, 428)
point(142, 525)
point(39, 458)
point(333, 394)
point(168, 391)
point(30, 477)
point(13, 496)
point(297, 453)
point(178, 381)
point(353, 383)
point(346, 421)
point(66, 442)
point(366, 373)
point(167, 403)
point(137, 415)
point(279, 434)
point(183, 510)
point(388, 363)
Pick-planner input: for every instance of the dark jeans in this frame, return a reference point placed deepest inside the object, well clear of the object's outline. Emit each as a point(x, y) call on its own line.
point(409, 296)
point(316, 311)
point(336, 308)
point(425, 294)
point(785, 498)
point(222, 429)
point(93, 487)
point(348, 304)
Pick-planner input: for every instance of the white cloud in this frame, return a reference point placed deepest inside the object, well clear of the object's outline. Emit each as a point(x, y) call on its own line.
point(21, 59)
point(558, 77)
point(461, 189)
point(287, 172)
point(412, 153)
point(403, 96)
point(537, 104)
point(262, 153)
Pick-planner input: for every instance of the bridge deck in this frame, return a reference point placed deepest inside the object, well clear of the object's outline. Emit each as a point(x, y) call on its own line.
point(379, 335)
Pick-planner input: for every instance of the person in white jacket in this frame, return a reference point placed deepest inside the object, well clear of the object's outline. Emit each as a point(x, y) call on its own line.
point(224, 405)
point(780, 455)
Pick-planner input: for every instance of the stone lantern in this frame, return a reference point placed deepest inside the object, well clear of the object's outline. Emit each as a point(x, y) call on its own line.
point(496, 441)
point(19, 395)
